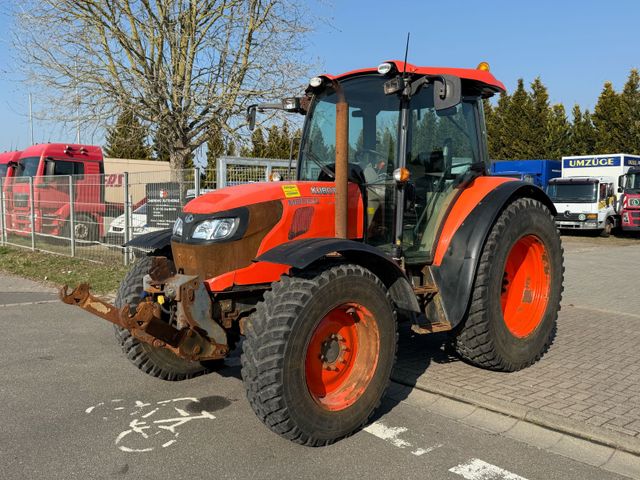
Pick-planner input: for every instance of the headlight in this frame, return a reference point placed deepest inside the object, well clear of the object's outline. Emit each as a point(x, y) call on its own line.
point(582, 217)
point(592, 216)
point(177, 227)
point(216, 229)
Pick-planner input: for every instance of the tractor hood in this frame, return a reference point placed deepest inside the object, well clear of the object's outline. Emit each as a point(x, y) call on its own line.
point(250, 193)
point(259, 216)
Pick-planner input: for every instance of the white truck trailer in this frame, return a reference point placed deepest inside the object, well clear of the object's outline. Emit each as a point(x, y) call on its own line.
point(586, 194)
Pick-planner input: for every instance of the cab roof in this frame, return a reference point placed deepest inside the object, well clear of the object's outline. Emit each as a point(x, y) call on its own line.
point(63, 150)
point(484, 77)
point(6, 157)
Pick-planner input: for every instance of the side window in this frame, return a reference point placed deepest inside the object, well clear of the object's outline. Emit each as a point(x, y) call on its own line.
point(603, 191)
point(64, 167)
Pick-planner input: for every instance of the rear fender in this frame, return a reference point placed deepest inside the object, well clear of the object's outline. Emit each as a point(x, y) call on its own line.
point(302, 254)
point(458, 253)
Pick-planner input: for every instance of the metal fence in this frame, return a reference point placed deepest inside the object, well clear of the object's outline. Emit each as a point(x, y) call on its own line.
point(92, 216)
point(236, 170)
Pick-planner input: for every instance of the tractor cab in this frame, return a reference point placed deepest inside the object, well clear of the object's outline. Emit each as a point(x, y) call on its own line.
point(403, 129)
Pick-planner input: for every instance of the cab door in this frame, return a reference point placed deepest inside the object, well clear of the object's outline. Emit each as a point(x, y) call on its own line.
point(443, 147)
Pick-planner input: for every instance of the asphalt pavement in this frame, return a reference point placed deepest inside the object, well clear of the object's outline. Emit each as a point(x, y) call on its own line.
point(74, 407)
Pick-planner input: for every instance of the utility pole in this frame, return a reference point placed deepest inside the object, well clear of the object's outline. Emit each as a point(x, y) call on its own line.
point(77, 107)
point(31, 118)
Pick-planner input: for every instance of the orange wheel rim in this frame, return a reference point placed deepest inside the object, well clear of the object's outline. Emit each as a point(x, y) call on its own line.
point(342, 356)
point(526, 285)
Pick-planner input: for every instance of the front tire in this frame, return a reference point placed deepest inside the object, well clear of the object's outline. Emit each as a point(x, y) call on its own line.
point(517, 291)
point(318, 353)
point(154, 361)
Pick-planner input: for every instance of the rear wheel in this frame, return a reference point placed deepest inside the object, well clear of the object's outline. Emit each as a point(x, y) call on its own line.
point(318, 354)
point(85, 228)
point(157, 362)
point(517, 291)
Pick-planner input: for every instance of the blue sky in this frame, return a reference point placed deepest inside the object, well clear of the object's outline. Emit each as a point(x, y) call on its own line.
point(575, 46)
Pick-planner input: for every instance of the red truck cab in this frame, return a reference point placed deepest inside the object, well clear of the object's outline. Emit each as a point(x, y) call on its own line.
point(7, 161)
point(630, 203)
point(50, 165)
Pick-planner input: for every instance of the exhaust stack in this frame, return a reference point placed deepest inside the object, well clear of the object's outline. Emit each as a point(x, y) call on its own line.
point(342, 161)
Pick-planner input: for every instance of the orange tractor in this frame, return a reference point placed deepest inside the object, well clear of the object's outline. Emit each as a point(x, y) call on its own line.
point(392, 218)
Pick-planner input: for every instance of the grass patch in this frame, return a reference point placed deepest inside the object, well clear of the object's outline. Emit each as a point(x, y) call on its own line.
point(57, 270)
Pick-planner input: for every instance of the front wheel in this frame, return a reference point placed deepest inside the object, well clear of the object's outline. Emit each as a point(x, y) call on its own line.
point(516, 296)
point(318, 353)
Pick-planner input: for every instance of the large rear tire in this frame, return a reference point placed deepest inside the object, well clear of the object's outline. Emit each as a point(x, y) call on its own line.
point(518, 287)
point(318, 353)
point(157, 362)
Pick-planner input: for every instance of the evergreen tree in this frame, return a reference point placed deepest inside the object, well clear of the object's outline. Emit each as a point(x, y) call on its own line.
point(127, 138)
point(160, 145)
point(495, 127)
point(540, 117)
point(517, 132)
point(583, 133)
point(608, 120)
point(558, 134)
point(630, 99)
point(258, 144)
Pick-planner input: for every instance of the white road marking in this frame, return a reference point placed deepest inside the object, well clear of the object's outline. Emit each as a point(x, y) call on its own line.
point(392, 435)
point(421, 451)
point(144, 433)
point(476, 469)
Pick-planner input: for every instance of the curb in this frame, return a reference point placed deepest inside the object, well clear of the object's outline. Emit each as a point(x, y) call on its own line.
point(550, 421)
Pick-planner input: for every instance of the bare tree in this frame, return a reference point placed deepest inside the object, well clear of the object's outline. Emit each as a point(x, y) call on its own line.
point(185, 66)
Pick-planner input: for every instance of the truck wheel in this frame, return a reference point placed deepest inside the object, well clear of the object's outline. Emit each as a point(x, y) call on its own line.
point(318, 353)
point(608, 227)
point(515, 300)
point(157, 362)
point(85, 229)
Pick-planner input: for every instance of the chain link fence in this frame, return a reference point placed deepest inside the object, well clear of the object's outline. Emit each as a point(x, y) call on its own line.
point(93, 216)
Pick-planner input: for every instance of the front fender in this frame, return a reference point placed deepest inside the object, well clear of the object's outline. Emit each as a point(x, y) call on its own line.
point(301, 254)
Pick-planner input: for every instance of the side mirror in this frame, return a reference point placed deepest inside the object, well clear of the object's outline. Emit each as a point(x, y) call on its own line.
point(447, 92)
point(251, 116)
point(621, 183)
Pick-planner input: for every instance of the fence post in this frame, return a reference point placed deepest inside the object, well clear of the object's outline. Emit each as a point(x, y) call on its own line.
point(72, 217)
point(3, 234)
point(221, 180)
point(127, 207)
point(196, 180)
point(33, 214)
point(267, 173)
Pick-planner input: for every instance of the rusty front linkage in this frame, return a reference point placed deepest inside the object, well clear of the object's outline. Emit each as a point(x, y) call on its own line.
point(189, 342)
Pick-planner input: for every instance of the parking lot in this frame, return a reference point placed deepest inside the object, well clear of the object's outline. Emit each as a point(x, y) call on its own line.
point(74, 407)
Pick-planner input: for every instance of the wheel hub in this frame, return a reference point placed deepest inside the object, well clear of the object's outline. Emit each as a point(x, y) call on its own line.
point(332, 352)
point(342, 356)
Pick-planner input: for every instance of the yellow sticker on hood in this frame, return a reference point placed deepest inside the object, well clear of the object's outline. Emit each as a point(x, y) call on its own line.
point(291, 191)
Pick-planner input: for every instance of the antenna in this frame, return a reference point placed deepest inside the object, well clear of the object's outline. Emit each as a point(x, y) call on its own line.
point(406, 54)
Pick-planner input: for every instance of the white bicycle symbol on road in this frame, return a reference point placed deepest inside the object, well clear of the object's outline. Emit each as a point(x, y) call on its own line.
point(148, 429)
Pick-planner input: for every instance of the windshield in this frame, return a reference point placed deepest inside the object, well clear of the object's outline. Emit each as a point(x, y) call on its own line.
point(373, 132)
point(573, 192)
point(27, 167)
point(142, 210)
point(633, 183)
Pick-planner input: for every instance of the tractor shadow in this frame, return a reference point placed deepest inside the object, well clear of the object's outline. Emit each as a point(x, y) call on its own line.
point(416, 353)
